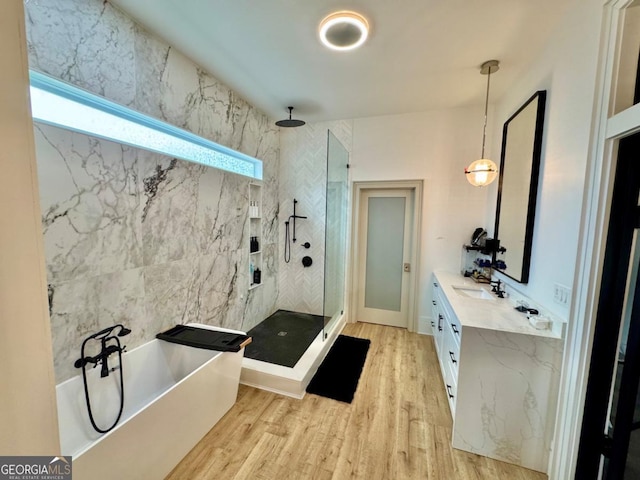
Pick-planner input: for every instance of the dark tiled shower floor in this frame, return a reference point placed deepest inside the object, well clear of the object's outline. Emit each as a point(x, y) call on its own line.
point(283, 337)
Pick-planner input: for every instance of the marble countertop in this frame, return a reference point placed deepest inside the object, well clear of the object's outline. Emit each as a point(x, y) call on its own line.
point(496, 314)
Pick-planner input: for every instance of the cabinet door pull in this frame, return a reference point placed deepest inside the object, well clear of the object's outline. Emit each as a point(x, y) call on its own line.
point(455, 329)
point(453, 358)
point(435, 284)
point(433, 324)
point(449, 391)
point(433, 301)
point(440, 322)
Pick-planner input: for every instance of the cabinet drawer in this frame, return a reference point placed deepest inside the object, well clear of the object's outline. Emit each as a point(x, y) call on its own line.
point(451, 392)
point(453, 358)
point(451, 353)
point(435, 304)
point(453, 327)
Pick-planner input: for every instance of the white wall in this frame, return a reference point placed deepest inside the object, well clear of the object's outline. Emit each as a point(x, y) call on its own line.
point(434, 146)
point(28, 418)
point(567, 70)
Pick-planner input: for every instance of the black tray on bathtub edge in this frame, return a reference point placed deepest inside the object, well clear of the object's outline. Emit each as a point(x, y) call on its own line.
point(205, 338)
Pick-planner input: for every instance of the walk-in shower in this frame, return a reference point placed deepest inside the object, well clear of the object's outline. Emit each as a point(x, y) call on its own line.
point(284, 337)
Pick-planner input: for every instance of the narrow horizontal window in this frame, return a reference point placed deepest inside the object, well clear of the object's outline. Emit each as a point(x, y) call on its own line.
point(57, 103)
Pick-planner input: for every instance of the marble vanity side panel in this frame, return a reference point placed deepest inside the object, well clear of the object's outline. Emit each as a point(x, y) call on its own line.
point(507, 394)
point(89, 44)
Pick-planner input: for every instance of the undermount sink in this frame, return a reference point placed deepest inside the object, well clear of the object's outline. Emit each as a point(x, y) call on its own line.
point(471, 292)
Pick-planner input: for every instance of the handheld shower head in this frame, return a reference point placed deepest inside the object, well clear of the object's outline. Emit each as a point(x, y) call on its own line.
point(124, 331)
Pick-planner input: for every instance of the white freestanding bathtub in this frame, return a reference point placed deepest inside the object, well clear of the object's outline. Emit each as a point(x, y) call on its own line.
point(174, 395)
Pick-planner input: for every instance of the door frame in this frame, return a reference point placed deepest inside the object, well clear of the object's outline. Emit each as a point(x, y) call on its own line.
point(601, 162)
point(416, 186)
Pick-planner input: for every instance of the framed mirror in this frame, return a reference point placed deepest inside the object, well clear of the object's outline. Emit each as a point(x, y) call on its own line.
point(518, 186)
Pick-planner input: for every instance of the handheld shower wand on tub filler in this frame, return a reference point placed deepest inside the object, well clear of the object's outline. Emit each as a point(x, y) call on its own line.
point(106, 337)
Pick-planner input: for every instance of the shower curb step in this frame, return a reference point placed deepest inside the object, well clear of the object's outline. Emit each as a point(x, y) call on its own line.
point(291, 382)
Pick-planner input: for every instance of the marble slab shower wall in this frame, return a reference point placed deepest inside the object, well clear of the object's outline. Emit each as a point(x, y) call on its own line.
point(132, 236)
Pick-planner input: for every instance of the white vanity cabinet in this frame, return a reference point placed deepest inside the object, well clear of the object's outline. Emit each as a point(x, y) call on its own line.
point(447, 341)
point(501, 375)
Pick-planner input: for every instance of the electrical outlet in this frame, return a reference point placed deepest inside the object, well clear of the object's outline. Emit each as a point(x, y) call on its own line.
point(561, 294)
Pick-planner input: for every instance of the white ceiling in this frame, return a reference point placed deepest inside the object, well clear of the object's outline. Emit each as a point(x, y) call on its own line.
point(420, 55)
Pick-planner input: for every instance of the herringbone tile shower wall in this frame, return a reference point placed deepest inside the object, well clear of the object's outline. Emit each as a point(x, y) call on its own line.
point(303, 173)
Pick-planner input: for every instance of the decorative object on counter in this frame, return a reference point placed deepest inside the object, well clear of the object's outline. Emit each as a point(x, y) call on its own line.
point(499, 265)
point(518, 185)
point(484, 171)
point(477, 259)
point(478, 237)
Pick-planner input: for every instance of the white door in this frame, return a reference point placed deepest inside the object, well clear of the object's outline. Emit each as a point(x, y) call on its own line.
point(384, 252)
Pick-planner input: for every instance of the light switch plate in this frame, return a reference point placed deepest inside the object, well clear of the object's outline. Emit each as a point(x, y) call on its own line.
point(561, 294)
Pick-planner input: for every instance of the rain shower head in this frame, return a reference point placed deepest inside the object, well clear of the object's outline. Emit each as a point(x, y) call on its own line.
point(290, 122)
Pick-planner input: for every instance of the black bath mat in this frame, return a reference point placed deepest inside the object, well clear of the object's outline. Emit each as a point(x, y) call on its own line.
point(283, 337)
point(338, 375)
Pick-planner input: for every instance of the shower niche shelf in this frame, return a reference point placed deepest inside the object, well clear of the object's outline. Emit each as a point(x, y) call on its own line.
point(255, 235)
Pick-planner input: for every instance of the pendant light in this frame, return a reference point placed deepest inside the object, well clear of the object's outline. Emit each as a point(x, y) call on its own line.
point(484, 171)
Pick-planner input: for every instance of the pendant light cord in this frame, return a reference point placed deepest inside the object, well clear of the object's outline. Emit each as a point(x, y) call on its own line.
point(486, 108)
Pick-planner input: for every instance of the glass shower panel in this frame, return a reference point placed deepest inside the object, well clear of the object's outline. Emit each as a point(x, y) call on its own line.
point(335, 247)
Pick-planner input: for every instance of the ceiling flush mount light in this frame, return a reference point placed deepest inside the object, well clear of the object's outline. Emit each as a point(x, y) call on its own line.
point(344, 30)
point(484, 171)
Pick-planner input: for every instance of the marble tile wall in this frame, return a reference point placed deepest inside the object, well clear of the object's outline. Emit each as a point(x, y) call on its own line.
point(131, 236)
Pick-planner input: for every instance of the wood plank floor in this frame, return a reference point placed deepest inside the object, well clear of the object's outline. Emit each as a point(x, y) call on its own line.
point(398, 427)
